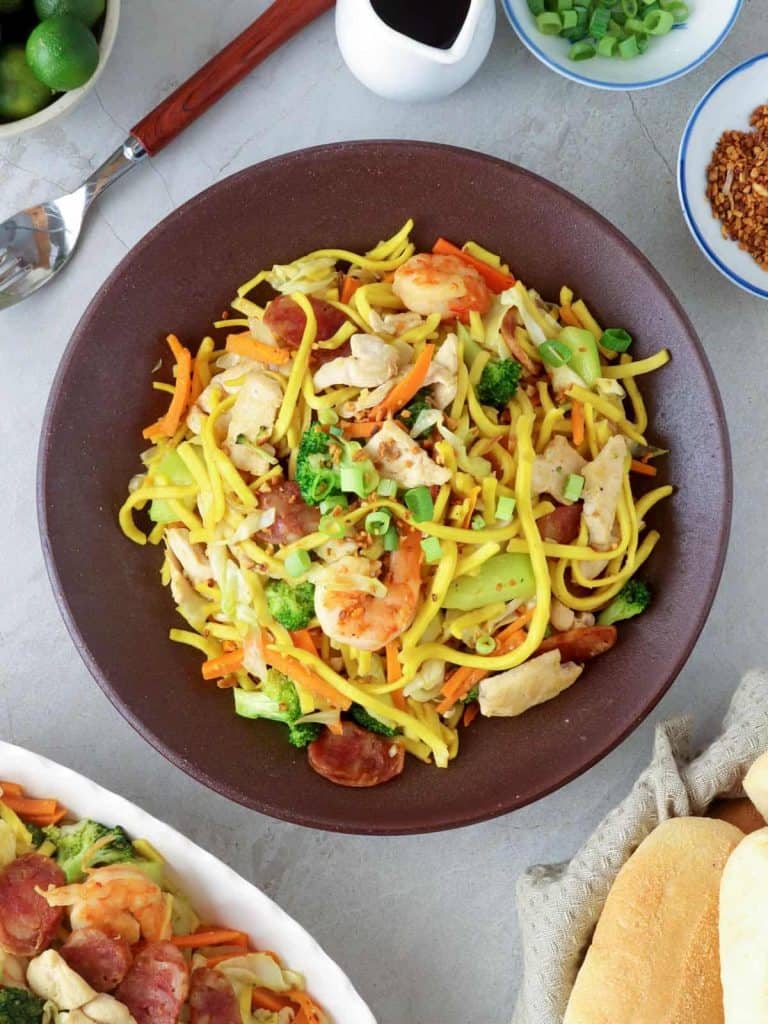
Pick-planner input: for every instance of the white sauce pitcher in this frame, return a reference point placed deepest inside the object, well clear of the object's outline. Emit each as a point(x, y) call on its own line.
point(401, 68)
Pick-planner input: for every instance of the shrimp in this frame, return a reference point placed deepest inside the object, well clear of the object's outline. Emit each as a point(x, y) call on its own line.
point(359, 617)
point(429, 283)
point(118, 899)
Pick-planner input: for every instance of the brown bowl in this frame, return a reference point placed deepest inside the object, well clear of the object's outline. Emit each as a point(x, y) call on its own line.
point(178, 279)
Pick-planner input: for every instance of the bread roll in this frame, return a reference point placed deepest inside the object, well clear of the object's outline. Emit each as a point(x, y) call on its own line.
point(654, 955)
point(756, 785)
point(744, 932)
point(742, 813)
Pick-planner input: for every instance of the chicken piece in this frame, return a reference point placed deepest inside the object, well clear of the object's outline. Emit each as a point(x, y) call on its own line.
point(443, 372)
point(255, 410)
point(592, 569)
point(397, 456)
point(191, 604)
point(602, 486)
point(191, 556)
point(534, 682)
point(373, 362)
point(561, 617)
point(50, 977)
point(394, 324)
point(552, 468)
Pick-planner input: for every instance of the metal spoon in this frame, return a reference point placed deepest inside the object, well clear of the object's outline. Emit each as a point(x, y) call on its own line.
point(37, 243)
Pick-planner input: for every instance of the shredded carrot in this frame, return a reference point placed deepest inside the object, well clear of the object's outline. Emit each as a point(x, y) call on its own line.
point(46, 819)
point(460, 682)
point(213, 668)
point(471, 711)
point(167, 425)
point(303, 676)
point(359, 429)
point(496, 279)
point(336, 728)
point(642, 468)
point(393, 662)
point(197, 387)
point(569, 317)
point(244, 345)
point(404, 391)
point(11, 789)
point(471, 503)
point(577, 422)
point(388, 276)
point(398, 699)
point(348, 289)
point(302, 638)
point(309, 1012)
point(265, 999)
point(215, 937)
point(25, 805)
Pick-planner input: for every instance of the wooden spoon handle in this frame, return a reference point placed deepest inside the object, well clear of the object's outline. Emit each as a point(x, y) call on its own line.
point(282, 20)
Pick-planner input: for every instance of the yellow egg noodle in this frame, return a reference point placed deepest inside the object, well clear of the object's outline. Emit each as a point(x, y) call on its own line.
point(399, 488)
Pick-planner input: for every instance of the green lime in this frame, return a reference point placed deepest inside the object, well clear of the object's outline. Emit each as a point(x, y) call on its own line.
point(62, 52)
point(87, 11)
point(21, 94)
point(10, 6)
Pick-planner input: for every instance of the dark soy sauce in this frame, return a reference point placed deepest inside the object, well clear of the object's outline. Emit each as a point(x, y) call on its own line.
point(433, 22)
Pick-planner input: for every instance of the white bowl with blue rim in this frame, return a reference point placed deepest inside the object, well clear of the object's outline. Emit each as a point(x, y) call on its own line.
point(667, 57)
point(727, 106)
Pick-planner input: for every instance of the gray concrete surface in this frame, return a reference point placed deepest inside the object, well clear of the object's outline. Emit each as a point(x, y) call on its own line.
point(425, 925)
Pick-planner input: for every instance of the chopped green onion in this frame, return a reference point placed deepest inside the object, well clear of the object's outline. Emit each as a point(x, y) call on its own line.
point(387, 488)
point(580, 29)
point(485, 645)
point(628, 47)
point(391, 539)
point(550, 23)
point(616, 339)
point(607, 46)
point(658, 23)
point(635, 26)
point(570, 19)
point(555, 353)
point(352, 479)
point(643, 41)
point(419, 501)
point(505, 508)
point(563, 5)
point(599, 22)
point(582, 51)
point(536, 6)
point(477, 523)
point(333, 526)
point(377, 523)
point(680, 11)
point(323, 483)
point(297, 563)
point(335, 501)
point(433, 549)
point(327, 417)
point(574, 485)
point(630, 8)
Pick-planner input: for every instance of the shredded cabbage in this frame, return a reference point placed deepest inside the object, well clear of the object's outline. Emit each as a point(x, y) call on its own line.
point(306, 276)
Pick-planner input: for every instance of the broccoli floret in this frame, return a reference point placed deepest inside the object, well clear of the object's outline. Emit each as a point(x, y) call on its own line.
point(633, 598)
point(303, 733)
point(317, 472)
point(74, 841)
point(473, 695)
point(20, 1007)
point(292, 606)
point(277, 700)
point(370, 723)
point(417, 404)
point(498, 382)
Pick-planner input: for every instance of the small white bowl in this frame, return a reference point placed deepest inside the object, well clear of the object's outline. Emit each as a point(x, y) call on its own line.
point(727, 106)
point(667, 58)
point(69, 100)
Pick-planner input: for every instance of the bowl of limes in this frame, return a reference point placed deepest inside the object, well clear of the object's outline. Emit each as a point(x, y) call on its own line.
point(51, 54)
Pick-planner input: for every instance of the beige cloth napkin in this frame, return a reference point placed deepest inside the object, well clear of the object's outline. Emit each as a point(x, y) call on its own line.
point(559, 904)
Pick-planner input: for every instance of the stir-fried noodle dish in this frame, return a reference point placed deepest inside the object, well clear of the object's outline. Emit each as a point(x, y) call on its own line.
point(401, 490)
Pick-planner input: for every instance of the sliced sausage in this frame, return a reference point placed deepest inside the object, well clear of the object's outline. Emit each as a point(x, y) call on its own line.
point(27, 923)
point(294, 519)
point(562, 525)
point(102, 960)
point(157, 984)
point(287, 321)
point(581, 644)
point(357, 757)
point(212, 998)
